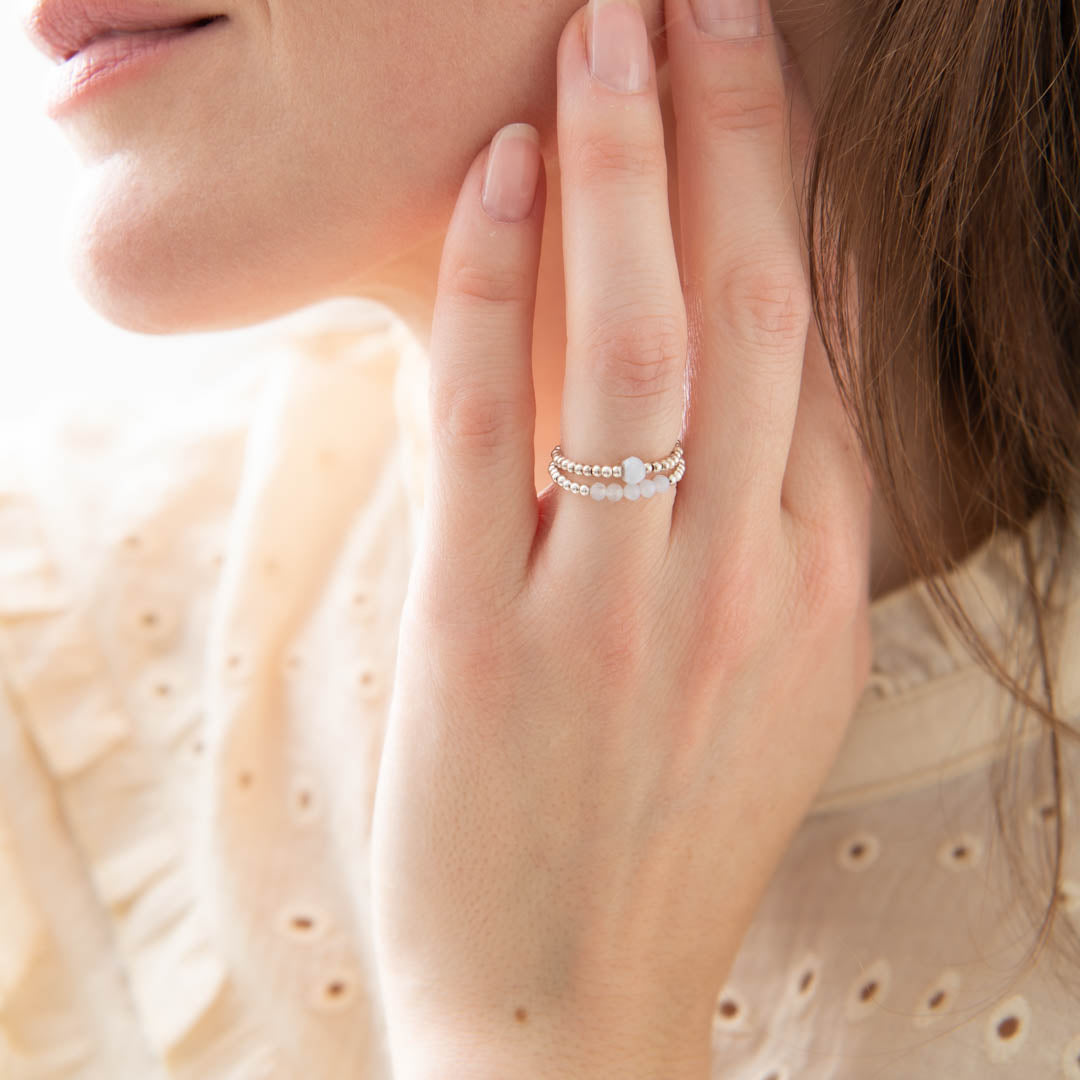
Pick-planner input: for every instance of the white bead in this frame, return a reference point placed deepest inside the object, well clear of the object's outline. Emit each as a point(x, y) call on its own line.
point(598, 491)
point(614, 492)
point(662, 483)
point(648, 488)
point(633, 470)
point(631, 492)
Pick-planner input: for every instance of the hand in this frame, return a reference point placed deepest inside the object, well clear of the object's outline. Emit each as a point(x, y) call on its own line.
point(608, 720)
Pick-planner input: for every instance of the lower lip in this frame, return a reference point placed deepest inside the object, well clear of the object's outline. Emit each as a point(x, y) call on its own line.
point(112, 61)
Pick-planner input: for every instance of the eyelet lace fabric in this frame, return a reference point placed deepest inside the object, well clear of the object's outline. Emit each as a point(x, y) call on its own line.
point(198, 616)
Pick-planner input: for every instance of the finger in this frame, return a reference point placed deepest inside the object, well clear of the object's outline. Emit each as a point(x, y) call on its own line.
point(623, 390)
point(827, 477)
point(480, 391)
point(828, 482)
point(747, 298)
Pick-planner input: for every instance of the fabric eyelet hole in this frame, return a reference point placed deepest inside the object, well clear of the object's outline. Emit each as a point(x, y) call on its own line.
point(304, 801)
point(335, 992)
point(937, 999)
point(361, 602)
point(1068, 896)
point(1007, 1028)
point(730, 1011)
point(306, 923)
point(1044, 811)
point(1070, 1060)
point(803, 980)
point(367, 682)
point(859, 852)
point(163, 690)
point(235, 664)
point(245, 778)
point(869, 990)
point(960, 853)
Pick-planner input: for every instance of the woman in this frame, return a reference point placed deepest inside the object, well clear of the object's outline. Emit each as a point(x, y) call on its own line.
point(702, 785)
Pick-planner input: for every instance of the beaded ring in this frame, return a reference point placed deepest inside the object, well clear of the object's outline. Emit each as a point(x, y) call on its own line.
point(643, 478)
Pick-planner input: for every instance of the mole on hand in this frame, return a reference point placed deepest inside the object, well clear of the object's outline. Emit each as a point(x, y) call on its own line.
point(520, 1015)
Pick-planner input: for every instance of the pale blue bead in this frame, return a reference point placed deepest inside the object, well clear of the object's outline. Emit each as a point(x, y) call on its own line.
point(633, 470)
point(614, 492)
point(598, 491)
point(631, 492)
point(662, 482)
point(648, 488)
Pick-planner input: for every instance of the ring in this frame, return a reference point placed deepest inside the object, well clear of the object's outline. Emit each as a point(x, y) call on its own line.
point(643, 478)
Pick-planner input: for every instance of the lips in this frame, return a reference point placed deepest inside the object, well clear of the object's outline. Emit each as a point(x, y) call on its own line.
point(61, 28)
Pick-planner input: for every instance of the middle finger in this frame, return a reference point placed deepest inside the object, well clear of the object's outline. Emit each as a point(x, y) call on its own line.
point(623, 392)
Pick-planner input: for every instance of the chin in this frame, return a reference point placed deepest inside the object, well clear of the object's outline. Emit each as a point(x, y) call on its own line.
point(161, 266)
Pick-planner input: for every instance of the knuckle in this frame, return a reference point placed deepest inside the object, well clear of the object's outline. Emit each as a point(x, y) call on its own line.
point(831, 582)
point(745, 107)
point(475, 419)
point(470, 283)
point(606, 158)
point(637, 356)
point(732, 627)
point(620, 638)
point(767, 305)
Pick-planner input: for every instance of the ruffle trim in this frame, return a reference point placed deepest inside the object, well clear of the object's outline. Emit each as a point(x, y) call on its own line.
point(64, 696)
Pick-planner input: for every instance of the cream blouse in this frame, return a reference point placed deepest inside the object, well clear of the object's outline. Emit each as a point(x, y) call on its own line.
point(198, 616)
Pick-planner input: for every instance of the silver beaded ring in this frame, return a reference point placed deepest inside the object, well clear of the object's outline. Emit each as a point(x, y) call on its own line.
point(643, 478)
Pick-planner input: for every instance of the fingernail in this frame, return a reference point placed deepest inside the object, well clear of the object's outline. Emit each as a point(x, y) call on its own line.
point(728, 18)
point(513, 169)
point(618, 45)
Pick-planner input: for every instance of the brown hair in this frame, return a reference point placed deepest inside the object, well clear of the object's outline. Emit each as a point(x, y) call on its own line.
point(945, 166)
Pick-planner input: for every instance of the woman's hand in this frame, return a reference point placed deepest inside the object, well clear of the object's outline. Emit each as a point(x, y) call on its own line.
point(609, 718)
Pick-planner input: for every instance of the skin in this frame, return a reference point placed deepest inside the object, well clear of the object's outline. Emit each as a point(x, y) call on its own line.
point(602, 736)
point(304, 151)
